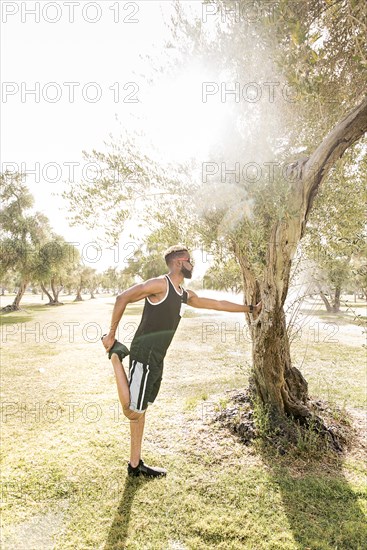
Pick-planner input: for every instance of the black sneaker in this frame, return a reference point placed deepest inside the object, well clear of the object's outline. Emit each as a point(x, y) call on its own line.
point(144, 470)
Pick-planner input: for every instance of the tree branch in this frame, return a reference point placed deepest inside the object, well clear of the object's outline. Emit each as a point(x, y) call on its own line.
point(307, 175)
point(342, 136)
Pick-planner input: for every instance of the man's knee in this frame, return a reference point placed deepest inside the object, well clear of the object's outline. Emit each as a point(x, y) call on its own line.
point(132, 415)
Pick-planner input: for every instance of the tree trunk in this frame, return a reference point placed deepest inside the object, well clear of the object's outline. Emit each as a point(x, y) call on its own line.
point(278, 384)
point(20, 292)
point(336, 303)
point(78, 297)
point(55, 291)
point(50, 298)
point(326, 301)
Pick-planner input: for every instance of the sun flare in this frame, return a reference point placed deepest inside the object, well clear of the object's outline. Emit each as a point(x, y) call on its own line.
point(183, 124)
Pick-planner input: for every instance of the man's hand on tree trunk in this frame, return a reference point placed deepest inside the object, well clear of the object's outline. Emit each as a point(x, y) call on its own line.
point(258, 307)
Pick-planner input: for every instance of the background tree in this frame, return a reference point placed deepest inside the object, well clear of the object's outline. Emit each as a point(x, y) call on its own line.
point(8, 282)
point(146, 263)
point(91, 280)
point(109, 280)
point(359, 274)
point(71, 277)
point(117, 281)
point(336, 232)
point(22, 233)
point(224, 275)
point(124, 280)
point(55, 258)
point(83, 276)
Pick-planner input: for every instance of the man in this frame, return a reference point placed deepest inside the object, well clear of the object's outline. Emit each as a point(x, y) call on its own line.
point(164, 297)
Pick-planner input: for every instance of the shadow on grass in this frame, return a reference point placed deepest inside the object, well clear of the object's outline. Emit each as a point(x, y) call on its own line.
point(7, 319)
point(45, 306)
point(21, 315)
point(24, 314)
point(118, 532)
point(340, 318)
point(322, 508)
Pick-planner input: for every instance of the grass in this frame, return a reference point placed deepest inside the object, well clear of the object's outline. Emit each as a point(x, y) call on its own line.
point(65, 443)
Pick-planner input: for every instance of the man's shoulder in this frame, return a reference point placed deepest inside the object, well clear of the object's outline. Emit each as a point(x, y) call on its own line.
point(156, 283)
point(161, 279)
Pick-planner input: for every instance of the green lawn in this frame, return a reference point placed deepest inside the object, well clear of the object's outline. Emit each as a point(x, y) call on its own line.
point(65, 441)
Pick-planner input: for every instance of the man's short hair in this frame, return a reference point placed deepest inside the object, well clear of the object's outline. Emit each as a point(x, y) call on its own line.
point(175, 251)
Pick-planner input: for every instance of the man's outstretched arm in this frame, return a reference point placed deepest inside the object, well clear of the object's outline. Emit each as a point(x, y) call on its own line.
point(220, 305)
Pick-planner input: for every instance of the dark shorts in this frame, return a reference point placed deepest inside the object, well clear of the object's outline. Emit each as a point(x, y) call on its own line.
point(144, 384)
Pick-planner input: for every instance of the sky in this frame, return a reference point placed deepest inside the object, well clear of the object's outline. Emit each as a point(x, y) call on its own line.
point(74, 73)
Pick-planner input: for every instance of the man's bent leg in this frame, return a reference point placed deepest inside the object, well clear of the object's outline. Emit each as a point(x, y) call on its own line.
point(121, 381)
point(137, 419)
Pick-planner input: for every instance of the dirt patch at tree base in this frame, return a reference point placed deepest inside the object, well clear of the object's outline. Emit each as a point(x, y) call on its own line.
point(329, 428)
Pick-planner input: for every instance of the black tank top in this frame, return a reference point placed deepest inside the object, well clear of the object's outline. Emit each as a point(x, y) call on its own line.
point(158, 326)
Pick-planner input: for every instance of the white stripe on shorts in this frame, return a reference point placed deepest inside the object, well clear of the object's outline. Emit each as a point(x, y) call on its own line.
point(145, 385)
point(135, 383)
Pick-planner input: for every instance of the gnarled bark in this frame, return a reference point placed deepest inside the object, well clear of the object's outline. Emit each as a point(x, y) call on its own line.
point(278, 383)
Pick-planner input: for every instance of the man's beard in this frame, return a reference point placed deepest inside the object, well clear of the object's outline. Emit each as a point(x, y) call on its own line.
point(186, 272)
